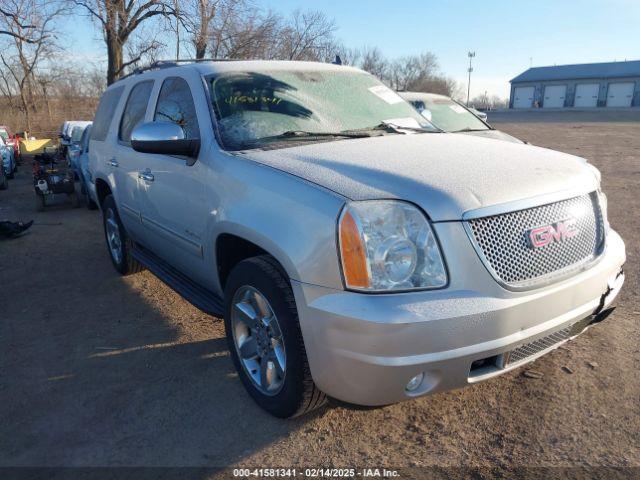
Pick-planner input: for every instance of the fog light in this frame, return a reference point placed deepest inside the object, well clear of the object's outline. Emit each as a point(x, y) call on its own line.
point(414, 382)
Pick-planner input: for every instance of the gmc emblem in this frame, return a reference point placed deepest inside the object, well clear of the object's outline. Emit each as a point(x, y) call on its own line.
point(556, 232)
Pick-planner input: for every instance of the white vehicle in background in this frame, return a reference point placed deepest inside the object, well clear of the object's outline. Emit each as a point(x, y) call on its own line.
point(481, 115)
point(450, 116)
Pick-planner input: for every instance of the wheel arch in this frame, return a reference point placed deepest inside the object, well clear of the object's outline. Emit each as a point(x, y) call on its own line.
point(102, 190)
point(232, 245)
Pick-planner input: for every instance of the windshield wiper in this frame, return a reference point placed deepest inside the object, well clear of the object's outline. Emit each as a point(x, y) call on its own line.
point(303, 134)
point(395, 128)
point(467, 129)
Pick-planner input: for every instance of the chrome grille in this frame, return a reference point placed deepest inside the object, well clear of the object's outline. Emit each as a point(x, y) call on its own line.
point(504, 244)
point(525, 351)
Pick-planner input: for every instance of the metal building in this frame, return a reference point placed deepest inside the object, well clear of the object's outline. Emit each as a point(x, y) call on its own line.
point(614, 84)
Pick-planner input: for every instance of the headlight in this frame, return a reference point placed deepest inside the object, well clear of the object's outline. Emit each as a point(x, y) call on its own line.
point(604, 205)
point(388, 245)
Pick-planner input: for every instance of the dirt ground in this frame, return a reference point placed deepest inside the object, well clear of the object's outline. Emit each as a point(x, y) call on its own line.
point(99, 370)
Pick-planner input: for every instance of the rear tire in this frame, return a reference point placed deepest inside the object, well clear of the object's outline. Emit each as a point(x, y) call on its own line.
point(4, 184)
point(289, 391)
point(119, 245)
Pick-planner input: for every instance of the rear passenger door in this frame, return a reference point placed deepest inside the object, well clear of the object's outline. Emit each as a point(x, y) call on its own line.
point(127, 162)
point(175, 207)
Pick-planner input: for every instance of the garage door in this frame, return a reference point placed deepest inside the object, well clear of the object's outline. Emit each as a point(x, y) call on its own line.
point(587, 95)
point(620, 94)
point(554, 96)
point(523, 97)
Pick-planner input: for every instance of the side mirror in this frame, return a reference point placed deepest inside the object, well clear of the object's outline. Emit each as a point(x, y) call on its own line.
point(164, 138)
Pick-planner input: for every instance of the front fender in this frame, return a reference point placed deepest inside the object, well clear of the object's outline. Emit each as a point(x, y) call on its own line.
point(293, 220)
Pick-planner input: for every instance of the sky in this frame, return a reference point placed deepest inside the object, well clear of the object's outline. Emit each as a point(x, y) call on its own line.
point(507, 36)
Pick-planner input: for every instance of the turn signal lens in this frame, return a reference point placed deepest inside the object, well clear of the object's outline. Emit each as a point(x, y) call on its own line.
point(354, 261)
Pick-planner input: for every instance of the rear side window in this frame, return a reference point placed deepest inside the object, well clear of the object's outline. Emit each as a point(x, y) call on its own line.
point(175, 104)
point(104, 114)
point(135, 109)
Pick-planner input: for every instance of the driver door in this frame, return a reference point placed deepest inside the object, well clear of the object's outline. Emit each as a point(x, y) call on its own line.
point(173, 188)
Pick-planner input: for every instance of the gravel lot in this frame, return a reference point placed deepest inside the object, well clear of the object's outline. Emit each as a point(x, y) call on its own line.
point(99, 370)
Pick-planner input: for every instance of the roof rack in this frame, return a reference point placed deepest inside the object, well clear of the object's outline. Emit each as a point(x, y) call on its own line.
point(160, 64)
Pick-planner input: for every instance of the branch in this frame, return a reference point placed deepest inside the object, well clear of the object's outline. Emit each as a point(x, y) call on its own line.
point(139, 17)
point(92, 12)
point(141, 53)
point(17, 37)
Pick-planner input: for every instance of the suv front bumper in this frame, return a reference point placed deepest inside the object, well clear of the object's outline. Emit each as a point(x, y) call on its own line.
point(364, 348)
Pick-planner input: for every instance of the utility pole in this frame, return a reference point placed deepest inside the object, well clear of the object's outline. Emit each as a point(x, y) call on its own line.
point(471, 55)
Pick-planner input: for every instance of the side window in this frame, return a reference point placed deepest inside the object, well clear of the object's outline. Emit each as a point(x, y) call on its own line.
point(104, 113)
point(134, 110)
point(175, 104)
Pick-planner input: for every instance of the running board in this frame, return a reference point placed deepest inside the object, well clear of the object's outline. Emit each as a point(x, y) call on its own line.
point(198, 296)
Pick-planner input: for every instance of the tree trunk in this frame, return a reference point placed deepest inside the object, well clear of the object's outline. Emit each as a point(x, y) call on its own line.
point(114, 58)
point(25, 106)
point(201, 49)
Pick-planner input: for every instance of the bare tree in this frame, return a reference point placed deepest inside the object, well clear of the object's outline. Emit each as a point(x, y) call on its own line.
point(305, 36)
point(485, 101)
point(240, 32)
point(31, 24)
point(16, 25)
point(407, 72)
point(118, 20)
point(437, 84)
point(374, 62)
point(198, 17)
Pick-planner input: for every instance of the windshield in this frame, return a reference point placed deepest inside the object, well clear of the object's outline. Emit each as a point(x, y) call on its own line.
point(448, 115)
point(252, 108)
point(4, 134)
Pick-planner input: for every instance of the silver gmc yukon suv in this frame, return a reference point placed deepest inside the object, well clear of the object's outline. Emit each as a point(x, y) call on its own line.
point(354, 250)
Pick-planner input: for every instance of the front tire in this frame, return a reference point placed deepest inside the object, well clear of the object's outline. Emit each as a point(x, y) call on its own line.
point(265, 341)
point(119, 244)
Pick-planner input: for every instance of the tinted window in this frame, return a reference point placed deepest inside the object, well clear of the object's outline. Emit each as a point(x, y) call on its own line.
point(105, 112)
point(175, 104)
point(135, 109)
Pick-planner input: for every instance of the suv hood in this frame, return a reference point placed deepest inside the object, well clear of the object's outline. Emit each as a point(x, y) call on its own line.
point(494, 134)
point(446, 174)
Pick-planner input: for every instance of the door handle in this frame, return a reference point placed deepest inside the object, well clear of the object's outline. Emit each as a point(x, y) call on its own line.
point(146, 175)
point(113, 163)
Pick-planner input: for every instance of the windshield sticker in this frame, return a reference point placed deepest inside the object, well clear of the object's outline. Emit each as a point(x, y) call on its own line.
point(235, 99)
point(386, 94)
point(457, 108)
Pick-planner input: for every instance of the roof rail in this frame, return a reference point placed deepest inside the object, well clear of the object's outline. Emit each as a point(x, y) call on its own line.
point(160, 64)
